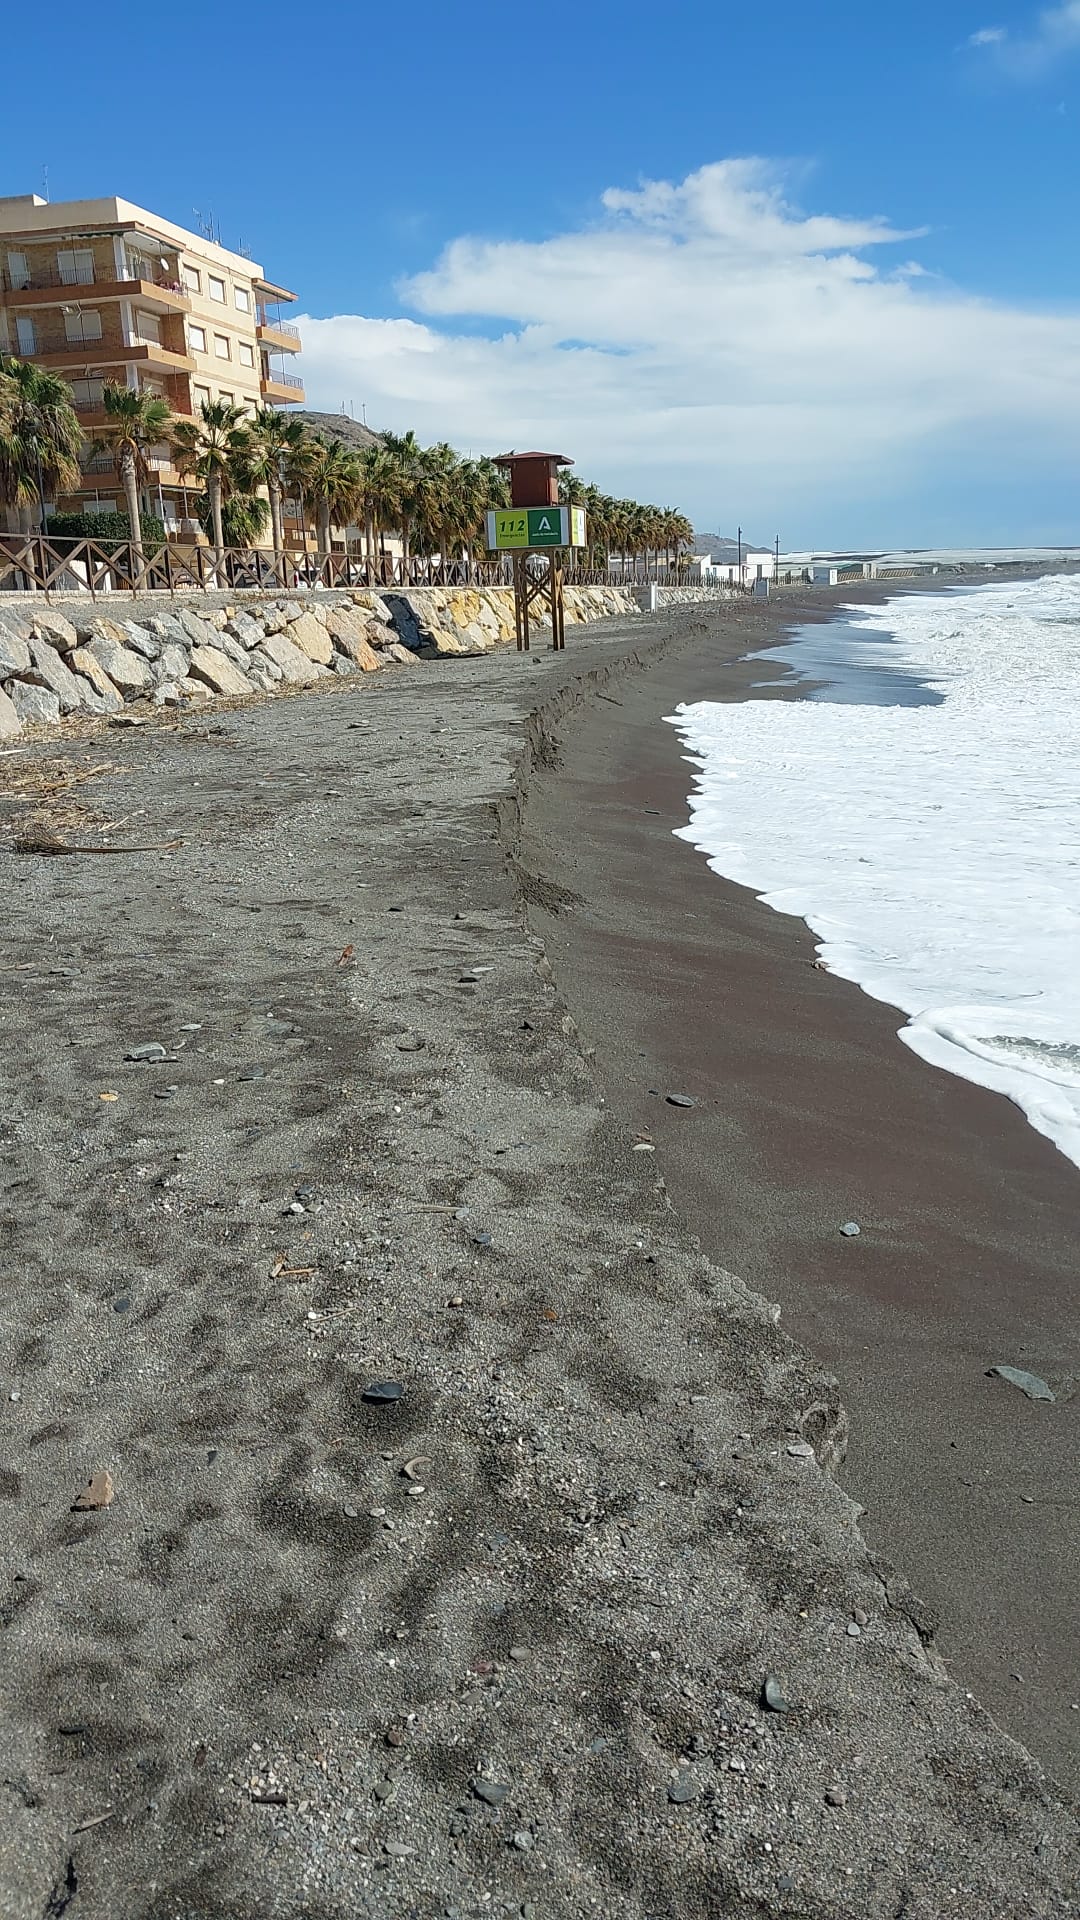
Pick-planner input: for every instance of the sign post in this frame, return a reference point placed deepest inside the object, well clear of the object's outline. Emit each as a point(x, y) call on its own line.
point(536, 528)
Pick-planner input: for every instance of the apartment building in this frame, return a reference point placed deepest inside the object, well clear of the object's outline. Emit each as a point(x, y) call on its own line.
point(102, 291)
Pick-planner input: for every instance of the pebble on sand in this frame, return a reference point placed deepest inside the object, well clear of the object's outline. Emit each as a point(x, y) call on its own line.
point(491, 1792)
point(382, 1393)
point(773, 1695)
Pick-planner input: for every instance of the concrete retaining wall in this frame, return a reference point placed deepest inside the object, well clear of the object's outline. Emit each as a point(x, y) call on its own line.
point(651, 597)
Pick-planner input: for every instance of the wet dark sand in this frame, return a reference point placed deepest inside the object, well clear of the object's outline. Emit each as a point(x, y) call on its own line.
point(811, 1112)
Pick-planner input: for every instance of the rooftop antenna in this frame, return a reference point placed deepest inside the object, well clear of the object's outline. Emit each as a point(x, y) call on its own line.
point(45, 182)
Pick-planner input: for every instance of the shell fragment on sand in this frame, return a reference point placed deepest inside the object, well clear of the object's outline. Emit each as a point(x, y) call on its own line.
point(1028, 1383)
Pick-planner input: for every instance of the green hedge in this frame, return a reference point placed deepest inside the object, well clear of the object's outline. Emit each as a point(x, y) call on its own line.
point(104, 527)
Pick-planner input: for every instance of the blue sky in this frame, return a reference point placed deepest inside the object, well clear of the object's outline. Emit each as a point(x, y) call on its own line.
point(459, 197)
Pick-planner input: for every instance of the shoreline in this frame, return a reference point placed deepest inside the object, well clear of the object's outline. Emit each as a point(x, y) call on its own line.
point(499, 1644)
point(812, 1111)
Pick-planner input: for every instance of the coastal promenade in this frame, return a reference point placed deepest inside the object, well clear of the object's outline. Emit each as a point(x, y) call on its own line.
point(475, 1542)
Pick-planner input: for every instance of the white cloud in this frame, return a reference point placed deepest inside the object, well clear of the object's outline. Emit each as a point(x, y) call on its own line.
point(705, 343)
point(1054, 35)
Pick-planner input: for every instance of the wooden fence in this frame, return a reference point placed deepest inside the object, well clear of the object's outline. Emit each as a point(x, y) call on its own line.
point(33, 564)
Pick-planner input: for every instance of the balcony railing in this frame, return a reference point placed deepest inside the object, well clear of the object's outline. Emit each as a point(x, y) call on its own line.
point(98, 274)
point(279, 326)
point(273, 379)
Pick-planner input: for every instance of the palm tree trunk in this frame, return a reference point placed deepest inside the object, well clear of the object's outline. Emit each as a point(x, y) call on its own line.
point(324, 532)
point(406, 531)
point(369, 535)
point(214, 487)
point(129, 480)
point(273, 488)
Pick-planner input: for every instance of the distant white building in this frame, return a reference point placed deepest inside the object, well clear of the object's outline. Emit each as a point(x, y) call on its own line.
point(725, 570)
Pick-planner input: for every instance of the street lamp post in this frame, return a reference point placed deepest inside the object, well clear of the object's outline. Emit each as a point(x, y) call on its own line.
point(740, 555)
point(776, 563)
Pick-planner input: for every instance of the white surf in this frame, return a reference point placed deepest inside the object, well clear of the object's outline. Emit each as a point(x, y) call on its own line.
point(933, 849)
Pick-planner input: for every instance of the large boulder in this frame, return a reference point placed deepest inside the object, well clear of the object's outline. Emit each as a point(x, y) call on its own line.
point(403, 655)
point(374, 604)
point(218, 672)
point(142, 640)
point(35, 706)
point(48, 668)
point(295, 667)
point(14, 651)
point(312, 638)
point(56, 628)
point(263, 672)
point(358, 649)
point(166, 627)
point(246, 631)
point(199, 632)
point(84, 663)
point(232, 650)
point(128, 671)
point(171, 663)
point(346, 623)
point(10, 724)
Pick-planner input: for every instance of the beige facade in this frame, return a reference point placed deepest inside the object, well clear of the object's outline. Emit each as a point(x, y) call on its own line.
point(102, 291)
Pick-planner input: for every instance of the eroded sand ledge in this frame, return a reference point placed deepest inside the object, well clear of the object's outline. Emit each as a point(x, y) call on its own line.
point(614, 1545)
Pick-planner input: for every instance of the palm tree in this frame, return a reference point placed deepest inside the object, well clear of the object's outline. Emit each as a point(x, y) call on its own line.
point(379, 478)
point(40, 435)
point(406, 455)
point(275, 441)
point(135, 422)
point(333, 486)
point(214, 445)
point(243, 517)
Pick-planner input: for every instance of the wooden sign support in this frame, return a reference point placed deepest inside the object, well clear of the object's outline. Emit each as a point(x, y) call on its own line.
point(545, 586)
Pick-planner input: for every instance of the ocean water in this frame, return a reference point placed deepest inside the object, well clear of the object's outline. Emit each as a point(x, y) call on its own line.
point(932, 845)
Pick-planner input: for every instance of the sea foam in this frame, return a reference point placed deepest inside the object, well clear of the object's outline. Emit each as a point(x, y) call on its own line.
point(933, 849)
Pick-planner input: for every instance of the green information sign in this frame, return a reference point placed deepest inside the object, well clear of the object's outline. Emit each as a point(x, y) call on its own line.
point(530, 527)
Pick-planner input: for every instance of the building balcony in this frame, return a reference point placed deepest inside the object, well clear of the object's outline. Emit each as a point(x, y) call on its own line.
point(159, 465)
point(278, 336)
point(45, 287)
point(77, 355)
point(282, 389)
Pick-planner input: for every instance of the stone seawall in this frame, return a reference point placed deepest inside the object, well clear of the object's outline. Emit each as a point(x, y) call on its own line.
point(79, 656)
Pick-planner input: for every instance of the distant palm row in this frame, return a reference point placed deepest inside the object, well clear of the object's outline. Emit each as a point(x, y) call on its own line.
point(246, 466)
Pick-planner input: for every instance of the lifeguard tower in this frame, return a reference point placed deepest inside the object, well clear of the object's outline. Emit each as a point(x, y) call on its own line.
point(536, 526)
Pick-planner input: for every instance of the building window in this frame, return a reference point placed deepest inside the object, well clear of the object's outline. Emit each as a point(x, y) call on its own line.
point(197, 338)
point(25, 333)
point(87, 394)
point(193, 279)
point(79, 325)
point(202, 396)
point(18, 270)
point(221, 347)
point(75, 266)
point(243, 299)
point(216, 288)
point(247, 354)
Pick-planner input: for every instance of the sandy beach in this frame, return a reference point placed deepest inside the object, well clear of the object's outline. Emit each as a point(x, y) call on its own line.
point(467, 1488)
